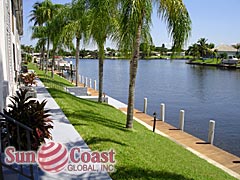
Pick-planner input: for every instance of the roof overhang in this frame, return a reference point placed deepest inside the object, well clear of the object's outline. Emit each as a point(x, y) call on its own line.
point(225, 48)
point(18, 4)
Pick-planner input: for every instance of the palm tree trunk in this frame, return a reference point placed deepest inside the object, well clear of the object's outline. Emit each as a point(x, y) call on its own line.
point(48, 44)
point(100, 72)
point(77, 58)
point(42, 57)
point(53, 63)
point(132, 80)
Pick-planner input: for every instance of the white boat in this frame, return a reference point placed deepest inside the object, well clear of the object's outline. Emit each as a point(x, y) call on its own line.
point(230, 60)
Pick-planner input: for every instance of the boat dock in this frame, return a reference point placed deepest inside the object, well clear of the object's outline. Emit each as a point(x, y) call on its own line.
point(214, 155)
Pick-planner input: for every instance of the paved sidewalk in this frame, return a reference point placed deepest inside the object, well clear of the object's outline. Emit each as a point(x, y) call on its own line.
point(63, 132)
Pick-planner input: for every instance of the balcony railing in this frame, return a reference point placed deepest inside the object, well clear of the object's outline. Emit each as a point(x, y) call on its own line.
point(6, 140)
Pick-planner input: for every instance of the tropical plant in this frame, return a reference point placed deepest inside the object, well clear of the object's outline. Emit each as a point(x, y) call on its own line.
point(76, 27)
point(201, 49)
point(37, 17)
point(28, 58)
point(28, 79)
point(42, 14)
point(145, 50)
point(48, 10)
point(55, 29)
point(223, 55)
point(202, 46)
point(54, 36)
point(102, 24)
point(39, 32)
point(27, 49)
point(193, 51)
point(237, 46)
point(134, 28)
point(32, 114)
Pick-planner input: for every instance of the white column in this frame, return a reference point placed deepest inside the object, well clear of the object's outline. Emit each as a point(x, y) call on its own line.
point(181, 120)
point(82, 79)
point(95, 85)
point(162, 112)
point(90, 83)
point(145, 105)
point(211, 131)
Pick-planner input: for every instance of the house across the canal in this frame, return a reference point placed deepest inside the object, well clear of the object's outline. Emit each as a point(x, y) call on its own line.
point(226, 49)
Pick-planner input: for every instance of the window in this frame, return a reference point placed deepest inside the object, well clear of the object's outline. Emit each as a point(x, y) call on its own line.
point(13, 14)
point(14, 62)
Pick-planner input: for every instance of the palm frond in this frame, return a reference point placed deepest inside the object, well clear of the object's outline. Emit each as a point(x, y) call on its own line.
point(131, 14)
point(178, 21)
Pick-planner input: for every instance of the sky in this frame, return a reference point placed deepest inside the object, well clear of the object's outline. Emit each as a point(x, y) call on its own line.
point(215, 20)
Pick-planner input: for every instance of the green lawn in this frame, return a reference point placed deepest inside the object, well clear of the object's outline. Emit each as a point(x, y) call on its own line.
point(141, 154)
point(57, 83)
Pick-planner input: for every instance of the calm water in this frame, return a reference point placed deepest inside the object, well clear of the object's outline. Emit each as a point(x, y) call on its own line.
point(203, 92)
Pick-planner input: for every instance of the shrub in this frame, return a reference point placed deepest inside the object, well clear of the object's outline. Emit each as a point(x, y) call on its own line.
point(32, 114)
point(28, 78)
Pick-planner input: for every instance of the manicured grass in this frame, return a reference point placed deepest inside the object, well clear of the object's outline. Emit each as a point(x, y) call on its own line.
point(208, 61)
point(57, 82)
point(141, 154)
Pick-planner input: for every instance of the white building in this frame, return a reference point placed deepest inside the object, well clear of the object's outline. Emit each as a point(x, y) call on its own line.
point(229, 50)
point(11, 28)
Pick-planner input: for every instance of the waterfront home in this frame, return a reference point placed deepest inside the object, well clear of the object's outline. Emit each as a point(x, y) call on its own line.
point(226, 49)
point(11, 28)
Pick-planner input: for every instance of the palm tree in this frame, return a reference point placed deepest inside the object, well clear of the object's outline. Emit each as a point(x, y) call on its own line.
point(54, 30)
point(48, 10)
point(237, 46)
point(39, 32)
point(27, 49)
point(101, 16)
point(134, 28)
point(41, 14)
point(37, 17)
point(193, 50)
point(76, 27)
point(203, 46)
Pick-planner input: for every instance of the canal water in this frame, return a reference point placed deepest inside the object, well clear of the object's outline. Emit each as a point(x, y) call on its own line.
point(205, 93)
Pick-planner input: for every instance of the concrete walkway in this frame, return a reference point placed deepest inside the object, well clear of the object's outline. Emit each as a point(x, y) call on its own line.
point(63, 132)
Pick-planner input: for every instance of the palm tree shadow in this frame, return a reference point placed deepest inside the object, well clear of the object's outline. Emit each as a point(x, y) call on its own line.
point(86, 116)
point(79, 124)
point(96, 118)
point(140, 173)
point(95, 140)
point(55, 93)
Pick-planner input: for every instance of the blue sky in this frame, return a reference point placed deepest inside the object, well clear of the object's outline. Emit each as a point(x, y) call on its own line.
point(215, 20)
